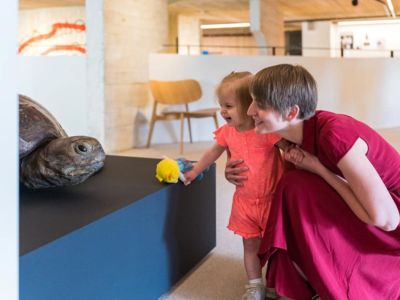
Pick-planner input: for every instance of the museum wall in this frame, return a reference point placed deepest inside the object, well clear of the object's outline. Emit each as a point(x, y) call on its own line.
point(132, 29)
point(55, 76)
point(59, 84)
point(364, 88)
point(98, 93)
point(372, 38)
point(317, 38)
point(113, 103)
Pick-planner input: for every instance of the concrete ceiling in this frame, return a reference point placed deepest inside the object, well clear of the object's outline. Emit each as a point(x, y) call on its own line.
point(238, 10)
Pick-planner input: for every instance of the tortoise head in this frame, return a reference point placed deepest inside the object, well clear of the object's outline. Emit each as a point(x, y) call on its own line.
point(63, 161)
point(74, 157)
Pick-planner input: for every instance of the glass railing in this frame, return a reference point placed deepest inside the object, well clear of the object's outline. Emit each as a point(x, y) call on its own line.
point(278, 50)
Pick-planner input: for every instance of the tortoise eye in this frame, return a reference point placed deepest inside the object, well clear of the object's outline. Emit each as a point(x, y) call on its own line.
point(81, 148)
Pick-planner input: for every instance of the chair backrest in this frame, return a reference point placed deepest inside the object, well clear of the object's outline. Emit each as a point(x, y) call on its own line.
point(175, 92)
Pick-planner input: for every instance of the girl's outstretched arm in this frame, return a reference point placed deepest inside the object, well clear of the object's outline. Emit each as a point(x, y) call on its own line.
point(209, 157)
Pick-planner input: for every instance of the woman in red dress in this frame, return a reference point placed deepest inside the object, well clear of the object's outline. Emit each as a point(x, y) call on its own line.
point(333, 228)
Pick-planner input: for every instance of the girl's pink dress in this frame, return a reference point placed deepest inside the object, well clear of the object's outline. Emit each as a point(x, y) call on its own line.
point(311, 225)
point(251, 202)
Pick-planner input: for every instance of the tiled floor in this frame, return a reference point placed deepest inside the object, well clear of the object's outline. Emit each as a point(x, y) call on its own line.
point(221, 275)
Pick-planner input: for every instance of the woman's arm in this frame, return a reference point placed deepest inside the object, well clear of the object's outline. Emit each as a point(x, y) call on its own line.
point(362, 188)
point(234, 172)
point(210, 156)
point(368, 188)
point(235, 169)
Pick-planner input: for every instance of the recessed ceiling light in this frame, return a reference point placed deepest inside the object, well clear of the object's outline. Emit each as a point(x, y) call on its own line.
point(226, 25)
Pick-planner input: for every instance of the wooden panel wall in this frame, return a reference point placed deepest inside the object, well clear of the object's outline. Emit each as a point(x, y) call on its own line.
point(233, 45)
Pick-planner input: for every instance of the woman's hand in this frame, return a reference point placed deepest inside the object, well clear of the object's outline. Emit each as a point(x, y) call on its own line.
point(233, 172)
point(303, 160)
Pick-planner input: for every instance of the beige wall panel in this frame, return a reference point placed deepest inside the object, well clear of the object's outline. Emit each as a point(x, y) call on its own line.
point(141, 95)
point(120, 117)
point(121, 95)
point(120, 138)
point(132, 30)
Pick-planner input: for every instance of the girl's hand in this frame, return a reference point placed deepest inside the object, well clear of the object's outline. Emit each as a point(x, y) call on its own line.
point(233, 172)
point(303, 160)
point(189, 177)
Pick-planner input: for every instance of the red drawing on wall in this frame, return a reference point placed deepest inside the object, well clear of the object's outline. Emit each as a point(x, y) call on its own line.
point(71, 48)
point(56, 27)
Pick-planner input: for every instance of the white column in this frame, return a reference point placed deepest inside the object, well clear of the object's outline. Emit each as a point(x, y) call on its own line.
point(189, 34)
point(317, 38)
point(95, 69)
point(9, 254)
point(255, 26)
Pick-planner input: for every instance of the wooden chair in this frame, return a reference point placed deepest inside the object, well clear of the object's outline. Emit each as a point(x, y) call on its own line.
point(174, 93)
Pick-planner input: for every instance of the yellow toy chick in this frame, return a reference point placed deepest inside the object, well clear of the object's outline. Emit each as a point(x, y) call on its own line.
point(167, 170)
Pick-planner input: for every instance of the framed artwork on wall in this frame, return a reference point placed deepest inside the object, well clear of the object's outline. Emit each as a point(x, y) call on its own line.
point(346, 40)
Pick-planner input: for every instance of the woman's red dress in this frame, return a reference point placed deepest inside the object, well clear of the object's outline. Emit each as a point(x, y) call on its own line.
point(310, 227)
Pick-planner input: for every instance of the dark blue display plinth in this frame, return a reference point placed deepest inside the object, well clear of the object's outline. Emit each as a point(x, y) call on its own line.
point(119, 235)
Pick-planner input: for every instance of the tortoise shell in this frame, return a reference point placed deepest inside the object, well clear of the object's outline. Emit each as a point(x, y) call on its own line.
point(36, 126)
point(48, 156)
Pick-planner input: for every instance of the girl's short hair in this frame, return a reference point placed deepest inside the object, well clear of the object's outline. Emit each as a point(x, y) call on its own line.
point(240, 83)
point(280, 87)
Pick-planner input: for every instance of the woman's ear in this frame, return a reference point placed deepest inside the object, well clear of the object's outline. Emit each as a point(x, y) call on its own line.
point(293, 113)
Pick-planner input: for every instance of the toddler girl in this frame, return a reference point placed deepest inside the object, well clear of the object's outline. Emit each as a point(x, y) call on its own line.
point(252, 200)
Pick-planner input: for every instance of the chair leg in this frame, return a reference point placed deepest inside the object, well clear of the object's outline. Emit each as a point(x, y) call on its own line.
point(152, 122)
point(182, 125)
point(190, 130)
point(215, 117)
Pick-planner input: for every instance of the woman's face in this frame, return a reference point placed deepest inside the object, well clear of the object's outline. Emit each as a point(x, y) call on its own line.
point(266, 120)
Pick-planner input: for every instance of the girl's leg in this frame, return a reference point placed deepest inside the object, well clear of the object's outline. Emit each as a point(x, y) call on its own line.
point(251, 259)
point(255, 290)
